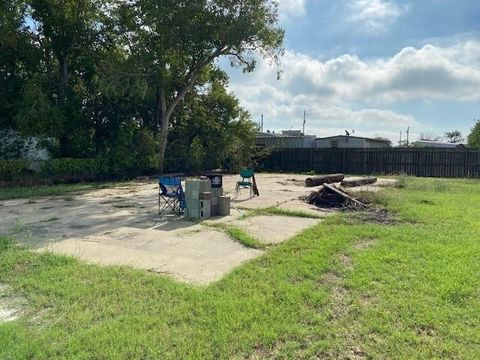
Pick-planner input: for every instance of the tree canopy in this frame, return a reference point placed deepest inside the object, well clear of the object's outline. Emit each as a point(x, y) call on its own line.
point(97, 75)
point(454, 136)
point(474, 137)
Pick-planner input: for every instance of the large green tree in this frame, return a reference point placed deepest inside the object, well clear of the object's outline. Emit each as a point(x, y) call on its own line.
point(174, 43)
point(104, 77)
point(474, 137)
point(72, 37)
point(19, 58)
point(454, 136)
point(210, 130)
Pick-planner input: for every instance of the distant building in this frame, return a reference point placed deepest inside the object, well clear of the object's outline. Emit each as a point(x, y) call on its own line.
point(15, 146)
point(437, 144)
point(287, 139)
point(351, 142)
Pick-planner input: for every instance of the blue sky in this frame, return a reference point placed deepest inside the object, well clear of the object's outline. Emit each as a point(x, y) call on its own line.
point(374, 66)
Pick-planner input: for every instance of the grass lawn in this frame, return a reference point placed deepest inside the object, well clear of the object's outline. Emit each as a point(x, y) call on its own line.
point(408, 288)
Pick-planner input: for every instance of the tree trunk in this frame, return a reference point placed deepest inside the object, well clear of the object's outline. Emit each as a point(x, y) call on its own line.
point(165, 121)
point(62, 85)
point(163, 146)
point(168, 111)
point(325, 179)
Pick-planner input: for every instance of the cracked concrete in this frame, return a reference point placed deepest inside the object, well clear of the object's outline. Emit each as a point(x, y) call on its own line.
point(121, 226)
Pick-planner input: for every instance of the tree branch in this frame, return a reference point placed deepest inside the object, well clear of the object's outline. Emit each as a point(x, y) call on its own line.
point(194, 74)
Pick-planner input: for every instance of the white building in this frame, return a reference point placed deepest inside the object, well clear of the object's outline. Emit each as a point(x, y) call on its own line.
point(437, 144)
point(350, 142)
point(287, 139)
point(15, 146)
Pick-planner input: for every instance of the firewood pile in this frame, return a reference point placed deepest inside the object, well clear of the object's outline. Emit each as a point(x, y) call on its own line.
point(329, 196)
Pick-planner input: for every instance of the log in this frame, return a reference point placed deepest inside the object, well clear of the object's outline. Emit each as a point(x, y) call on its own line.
point(324, 179)
point(359, 181)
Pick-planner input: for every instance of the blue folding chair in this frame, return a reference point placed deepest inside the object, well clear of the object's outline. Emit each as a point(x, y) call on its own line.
point(171, 195)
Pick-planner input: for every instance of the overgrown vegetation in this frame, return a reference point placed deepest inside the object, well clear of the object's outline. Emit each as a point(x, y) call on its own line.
point(338, 290)
point(116, 80)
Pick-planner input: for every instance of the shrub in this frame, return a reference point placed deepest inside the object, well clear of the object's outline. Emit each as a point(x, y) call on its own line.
point(133, 153)
point(11, 170)
point(65, 170)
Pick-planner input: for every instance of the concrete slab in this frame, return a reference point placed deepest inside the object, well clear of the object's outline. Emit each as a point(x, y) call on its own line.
point(274, 229)
point(196, 256)
point(121, 226)
point(275, 189)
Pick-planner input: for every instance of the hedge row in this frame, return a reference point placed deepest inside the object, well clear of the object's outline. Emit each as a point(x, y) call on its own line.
point(24, 172)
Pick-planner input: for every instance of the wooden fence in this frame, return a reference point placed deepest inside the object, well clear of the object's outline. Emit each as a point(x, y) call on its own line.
point(411, 161)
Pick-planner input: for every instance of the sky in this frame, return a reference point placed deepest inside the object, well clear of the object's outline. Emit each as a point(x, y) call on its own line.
point(374, 66)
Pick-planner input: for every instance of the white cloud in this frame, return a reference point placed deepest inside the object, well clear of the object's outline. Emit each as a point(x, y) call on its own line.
point(347, 91)
point(291, 8)
point(375, 15)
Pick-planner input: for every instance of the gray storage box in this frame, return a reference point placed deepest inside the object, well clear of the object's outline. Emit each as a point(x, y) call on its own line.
point(224, 206)
point(193, 187)
point(199, 209)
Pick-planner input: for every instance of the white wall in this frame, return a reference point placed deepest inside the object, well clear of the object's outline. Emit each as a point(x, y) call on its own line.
point(342, 143)
point(287, 142)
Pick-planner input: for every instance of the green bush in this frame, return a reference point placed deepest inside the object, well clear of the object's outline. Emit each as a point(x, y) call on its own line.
point(71, 169)
point(133, 152)
point(11, 170)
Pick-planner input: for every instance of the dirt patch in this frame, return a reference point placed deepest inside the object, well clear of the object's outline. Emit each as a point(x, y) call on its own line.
point(12, 306)
point(356, 353)
point(263, 353)
point(365, 244)
point(425, 331)
point(374, 216)
point(346, 261)
point(330, 278)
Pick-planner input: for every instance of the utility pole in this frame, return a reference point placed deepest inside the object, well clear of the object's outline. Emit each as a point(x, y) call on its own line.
point(408, 136)
point(400, 142)
point(261, 126)
point(304, 120)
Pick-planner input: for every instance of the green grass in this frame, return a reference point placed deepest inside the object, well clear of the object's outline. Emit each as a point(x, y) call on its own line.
point(338, 290)
point(281, 212)
point(33, 192)
point(239, 235)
